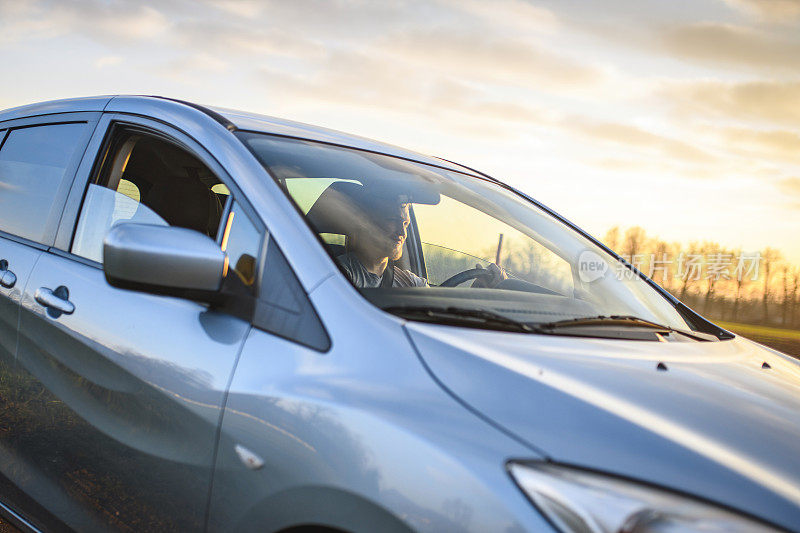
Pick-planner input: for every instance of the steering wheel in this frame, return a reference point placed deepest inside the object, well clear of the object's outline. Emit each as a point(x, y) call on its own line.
point(466, 275)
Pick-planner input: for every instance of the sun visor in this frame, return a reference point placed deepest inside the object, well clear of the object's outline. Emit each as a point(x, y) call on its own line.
point(344, 206)
point(408, 191)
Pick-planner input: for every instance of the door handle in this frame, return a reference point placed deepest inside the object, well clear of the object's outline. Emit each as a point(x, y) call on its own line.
point(7, 278)
point(56, 301)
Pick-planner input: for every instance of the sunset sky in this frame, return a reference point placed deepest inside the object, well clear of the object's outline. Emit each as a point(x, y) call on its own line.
point(682, 117)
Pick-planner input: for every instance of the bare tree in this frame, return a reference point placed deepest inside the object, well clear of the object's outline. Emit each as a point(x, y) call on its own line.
point(634, 241)
point(612, 238)
point(769, 264)
point(687, 273)
point(740, 284)
point(790, 282)
point(786, 300)
point(709, 250)
point(661, 269)
point(795, 295)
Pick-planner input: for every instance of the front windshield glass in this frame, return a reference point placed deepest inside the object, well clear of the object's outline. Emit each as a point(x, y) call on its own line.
point(410, 235)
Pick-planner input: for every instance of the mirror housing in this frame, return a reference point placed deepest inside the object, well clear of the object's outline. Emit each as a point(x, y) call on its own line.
point(163, 260)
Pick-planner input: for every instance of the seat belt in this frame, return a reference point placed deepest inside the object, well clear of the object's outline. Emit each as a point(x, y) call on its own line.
point(388, 276)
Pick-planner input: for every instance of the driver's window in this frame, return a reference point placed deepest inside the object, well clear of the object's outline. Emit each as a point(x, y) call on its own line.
point(456, 237)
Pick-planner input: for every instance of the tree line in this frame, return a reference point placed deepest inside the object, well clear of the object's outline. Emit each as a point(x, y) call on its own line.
point(756, 287)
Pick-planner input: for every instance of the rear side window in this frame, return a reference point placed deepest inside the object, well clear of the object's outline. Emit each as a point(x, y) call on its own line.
point(33, 168)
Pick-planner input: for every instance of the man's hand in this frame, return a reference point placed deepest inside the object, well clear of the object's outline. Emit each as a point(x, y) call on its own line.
point(494, 275)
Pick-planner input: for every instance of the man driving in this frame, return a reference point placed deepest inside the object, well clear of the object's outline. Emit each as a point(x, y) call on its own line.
point(375, 242)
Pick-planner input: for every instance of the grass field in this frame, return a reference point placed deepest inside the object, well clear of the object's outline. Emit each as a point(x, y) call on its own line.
point(785, 340)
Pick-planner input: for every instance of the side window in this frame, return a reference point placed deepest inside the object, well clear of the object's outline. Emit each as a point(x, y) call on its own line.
point(147, 180)
point(33, 167)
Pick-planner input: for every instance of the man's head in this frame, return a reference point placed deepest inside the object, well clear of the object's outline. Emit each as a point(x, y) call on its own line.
point(382, 232)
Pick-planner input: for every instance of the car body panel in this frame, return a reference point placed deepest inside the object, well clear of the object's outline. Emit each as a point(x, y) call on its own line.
point(16, 478)
point(714, 423)
point(125, 398)
point(364, 425)
point(19, 260)
point(124, 394)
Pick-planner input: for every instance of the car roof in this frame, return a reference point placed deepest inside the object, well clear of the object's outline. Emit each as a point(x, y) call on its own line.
point(230, 118)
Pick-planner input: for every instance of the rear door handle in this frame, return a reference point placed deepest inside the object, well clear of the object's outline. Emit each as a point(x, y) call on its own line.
point(7, 278)
point(56, 301)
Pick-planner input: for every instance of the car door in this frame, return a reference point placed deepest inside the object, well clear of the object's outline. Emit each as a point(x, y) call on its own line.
point(38, 161)
point(128, 387)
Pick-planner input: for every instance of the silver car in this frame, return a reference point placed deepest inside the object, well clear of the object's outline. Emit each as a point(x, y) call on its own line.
point(215, 320)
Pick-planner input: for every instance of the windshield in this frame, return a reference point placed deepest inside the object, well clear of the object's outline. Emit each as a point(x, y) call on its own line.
point(415, 236)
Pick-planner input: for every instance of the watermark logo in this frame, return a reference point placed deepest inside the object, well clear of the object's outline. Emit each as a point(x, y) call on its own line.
point(591, 266)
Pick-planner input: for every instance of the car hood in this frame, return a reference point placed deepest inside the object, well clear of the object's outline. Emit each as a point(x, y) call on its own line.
point(705, 418)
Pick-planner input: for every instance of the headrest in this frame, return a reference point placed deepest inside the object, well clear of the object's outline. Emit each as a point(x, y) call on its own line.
point(337, 208)
point(181, 202)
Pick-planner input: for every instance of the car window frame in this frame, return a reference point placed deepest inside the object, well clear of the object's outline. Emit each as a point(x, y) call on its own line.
point(71, 172)
point(92, 162)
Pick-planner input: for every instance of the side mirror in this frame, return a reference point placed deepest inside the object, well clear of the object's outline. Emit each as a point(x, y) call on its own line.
point(163, 260)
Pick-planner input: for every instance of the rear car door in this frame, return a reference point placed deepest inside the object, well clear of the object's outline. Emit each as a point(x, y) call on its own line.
point(38, 160)
point(127, 388)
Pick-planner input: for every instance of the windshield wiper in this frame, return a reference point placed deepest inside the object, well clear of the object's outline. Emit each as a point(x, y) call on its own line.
point(459, 316)
point(624, 321)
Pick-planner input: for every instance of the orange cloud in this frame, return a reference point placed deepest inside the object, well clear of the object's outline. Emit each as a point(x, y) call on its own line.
point(790, 186)
point(636, 137)
point(776, 144)
point(771, 102)
point(725, 44)
point(772, 10)
point(508, 59)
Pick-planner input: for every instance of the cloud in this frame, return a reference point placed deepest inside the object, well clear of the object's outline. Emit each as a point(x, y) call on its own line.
point(233, 38)
point(107, 61)
point(507, 13)
point(770, 102)
point(790, 186)
point(729, 45)
point(361, 79)
point(110, 22)
point(634, 137)
point(771, 10)
point(508, 59)
point(776, 144)
point(24, 20)
point(113, 22)
point(188, 67)
point(249, 9)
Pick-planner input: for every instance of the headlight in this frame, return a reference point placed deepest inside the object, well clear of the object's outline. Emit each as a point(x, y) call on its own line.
point(580, 502)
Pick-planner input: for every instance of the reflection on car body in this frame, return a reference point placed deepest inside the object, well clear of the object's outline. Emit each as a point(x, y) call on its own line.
point(215, 320)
